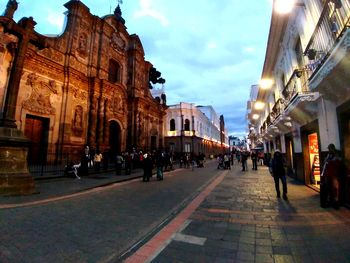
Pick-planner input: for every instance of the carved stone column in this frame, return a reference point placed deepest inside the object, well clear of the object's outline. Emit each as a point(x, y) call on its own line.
point(101, 122)
point(92, 122)
point(14, 174)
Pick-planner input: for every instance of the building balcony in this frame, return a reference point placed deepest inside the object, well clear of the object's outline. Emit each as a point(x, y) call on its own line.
point(328, 50)
point(299, 102)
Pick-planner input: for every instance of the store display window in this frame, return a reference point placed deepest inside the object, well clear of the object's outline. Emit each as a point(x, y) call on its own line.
point(314, 160)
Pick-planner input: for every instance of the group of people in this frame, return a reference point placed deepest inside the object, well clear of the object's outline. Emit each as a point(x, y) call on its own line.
point(123, 161)
point(188, 160)
point(225, 161)
point(333, 177)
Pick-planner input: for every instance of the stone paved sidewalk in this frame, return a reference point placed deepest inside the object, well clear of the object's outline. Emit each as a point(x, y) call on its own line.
point(241, 220)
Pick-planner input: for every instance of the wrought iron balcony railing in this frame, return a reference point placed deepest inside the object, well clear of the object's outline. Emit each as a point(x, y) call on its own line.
point(277, 108)
point(333, 22)
point(298, 83)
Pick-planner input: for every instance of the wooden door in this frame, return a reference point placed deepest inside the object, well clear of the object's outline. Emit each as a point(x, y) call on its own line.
point(36, 130)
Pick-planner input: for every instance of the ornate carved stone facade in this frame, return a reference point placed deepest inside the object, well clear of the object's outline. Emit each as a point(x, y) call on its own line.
point(90, 85)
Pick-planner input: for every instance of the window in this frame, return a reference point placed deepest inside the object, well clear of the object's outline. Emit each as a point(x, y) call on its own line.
point(114, 71)
point(187, 125)
point(172, 125)
point(187, 147)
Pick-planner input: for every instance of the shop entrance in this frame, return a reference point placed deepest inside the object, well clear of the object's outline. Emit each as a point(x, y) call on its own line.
point(314, 160)
point(311, 154)
point(37, 131)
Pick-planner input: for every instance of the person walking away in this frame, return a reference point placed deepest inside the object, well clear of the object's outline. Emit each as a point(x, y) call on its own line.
point(128, 163)
point(227, 162)
point(278, 172)
point(254, 158)
point(98, 159)
point(147, 167)
point(84, 162)
point(160, 159)
point(244, 158)
point(118, 164)
point(332, 174)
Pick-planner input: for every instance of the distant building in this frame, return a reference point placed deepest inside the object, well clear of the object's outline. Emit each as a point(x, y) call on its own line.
point(197, 129)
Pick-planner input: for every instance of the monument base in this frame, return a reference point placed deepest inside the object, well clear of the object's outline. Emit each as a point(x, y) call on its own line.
point(14, 174)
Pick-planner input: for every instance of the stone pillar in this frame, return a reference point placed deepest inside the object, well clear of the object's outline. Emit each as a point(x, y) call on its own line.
point(14, 174)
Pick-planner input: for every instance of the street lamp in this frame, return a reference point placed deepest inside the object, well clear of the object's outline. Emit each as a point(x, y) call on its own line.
point(266, 83)
point(286, 6)
point(259, 105)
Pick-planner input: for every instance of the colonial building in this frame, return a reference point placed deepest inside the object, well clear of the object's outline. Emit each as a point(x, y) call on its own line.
point(197, 129)
point(307, 105)
point(89, 85)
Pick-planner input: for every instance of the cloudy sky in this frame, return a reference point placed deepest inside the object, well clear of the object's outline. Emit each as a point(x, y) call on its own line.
point(209, 51)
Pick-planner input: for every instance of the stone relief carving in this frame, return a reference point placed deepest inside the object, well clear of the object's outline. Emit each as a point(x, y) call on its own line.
point(117, 104)
point(52, 54)
point(77, 122)
point(117, 43)
point(79, 94)
point(39, 100)
point(82, 45)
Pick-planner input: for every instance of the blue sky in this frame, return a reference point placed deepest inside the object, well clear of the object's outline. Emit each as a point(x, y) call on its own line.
point(209, 52)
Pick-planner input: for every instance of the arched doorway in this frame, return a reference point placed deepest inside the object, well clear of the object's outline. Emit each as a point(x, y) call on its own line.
point(114, 137)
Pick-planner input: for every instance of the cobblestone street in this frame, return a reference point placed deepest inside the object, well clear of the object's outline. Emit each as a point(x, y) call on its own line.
point(241, 220)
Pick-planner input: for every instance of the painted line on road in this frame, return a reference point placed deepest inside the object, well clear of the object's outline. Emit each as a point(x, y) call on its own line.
point(154, 246)
point(189, 239)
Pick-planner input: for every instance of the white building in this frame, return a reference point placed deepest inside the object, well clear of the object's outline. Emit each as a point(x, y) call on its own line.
point(307, 107)
point(191, 128)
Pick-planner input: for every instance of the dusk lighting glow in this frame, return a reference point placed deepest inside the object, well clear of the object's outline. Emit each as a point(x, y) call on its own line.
point(284, 6)
point(266, 83)
point(259, 105)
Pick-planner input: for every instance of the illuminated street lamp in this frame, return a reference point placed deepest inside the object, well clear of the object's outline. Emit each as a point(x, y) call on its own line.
point(286, 6)
point(255, 116)
point(259, 105)
point(266, 83)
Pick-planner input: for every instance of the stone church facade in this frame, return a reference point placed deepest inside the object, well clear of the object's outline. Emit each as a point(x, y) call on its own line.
point(89, 85)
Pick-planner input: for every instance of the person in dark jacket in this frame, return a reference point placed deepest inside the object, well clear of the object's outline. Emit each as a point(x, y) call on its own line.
point(160, 160)
point(254, 157)
point(278, 172)
point(147, 166)
point(333, 173)
point(84, 162)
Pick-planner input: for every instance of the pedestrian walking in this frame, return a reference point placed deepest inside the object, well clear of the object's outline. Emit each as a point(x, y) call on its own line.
point(254, 158)
point(127, 163)
point(118, 164)
point(333, 173)
point(278, 172)
point(227, 164)
point(160, 160)
point(85, 162)
point(147, 167)
point(244, 158)
point(98, 160)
